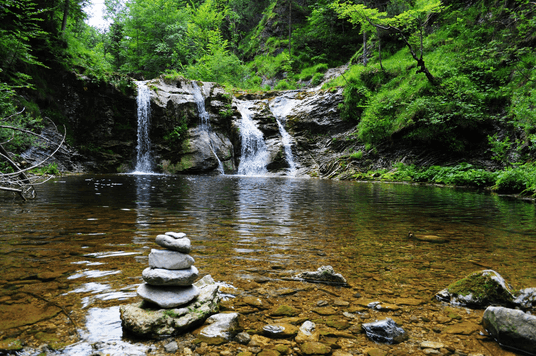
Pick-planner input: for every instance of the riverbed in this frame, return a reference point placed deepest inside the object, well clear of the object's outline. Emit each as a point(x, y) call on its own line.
point(70, 257)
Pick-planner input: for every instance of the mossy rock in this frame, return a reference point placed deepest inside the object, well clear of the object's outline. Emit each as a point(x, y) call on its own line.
point(284, 310)
point(479, 290)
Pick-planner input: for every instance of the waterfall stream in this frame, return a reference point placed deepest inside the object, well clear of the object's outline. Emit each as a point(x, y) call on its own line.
point(281, 107)
point(143, 148)
point(205, 124)
point(254, 154)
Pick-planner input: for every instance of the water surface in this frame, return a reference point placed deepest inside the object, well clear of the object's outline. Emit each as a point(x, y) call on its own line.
point(82, 244)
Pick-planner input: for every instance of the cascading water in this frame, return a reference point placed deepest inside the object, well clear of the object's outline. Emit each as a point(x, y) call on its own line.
point(204, 117)
point(281, 107)
point(254, 154)
point(143, 148)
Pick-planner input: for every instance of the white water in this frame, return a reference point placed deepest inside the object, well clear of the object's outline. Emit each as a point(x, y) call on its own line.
point(205, 124)
point(143, 148)
point(254, 157)
point(281, 107)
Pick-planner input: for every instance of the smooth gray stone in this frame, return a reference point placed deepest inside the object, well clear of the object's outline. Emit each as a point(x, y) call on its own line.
point(170, 259)
point(512, 328)
point(181, 245)
point(166, 277)
point(168, 297)
point(176, 235)
point(220, 326)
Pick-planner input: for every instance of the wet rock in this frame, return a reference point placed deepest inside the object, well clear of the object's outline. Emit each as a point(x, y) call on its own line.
point(385, 331)
point(172, 347)
point(280, 330)
point(325, 311)
point(324, 274)
point(253, 301)
point(284, 310)
point(176, 235)
point(167, 297)
point(512, 328)
point(526, 298)
point(147, 322)
point(375, 352)
point(220, 329)
point(269, 353)
point(182, 245)
point(307, 332)
point(166, 277)
point(170, 259)
point(478, 290)
point(315, 348)
point(243, 338)
point(466, 328)
point(431, 345)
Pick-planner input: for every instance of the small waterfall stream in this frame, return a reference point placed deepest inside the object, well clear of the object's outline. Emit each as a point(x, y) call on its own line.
point(143, 148)
point(281, 107)
point(205, 124)
point(254, 154)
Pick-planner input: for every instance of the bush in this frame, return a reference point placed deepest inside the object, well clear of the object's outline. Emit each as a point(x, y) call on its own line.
point(512, 180)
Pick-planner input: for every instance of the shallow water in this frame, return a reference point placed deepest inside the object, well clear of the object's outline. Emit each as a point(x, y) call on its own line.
point(82, 244)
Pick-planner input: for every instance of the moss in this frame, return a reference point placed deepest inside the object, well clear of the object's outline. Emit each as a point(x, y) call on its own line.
point(482, 287)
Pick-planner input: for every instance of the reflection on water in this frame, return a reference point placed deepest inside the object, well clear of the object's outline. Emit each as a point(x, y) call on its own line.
point(84, 242)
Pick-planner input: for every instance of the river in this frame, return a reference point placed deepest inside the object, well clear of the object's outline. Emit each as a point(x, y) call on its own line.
point(80, 247)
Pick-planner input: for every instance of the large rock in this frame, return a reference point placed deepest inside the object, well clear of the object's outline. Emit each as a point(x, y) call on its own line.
point(478, 290)
point(166, 277)
point(170, 259)
point(526, 298)
point(324, 274)
point(511, 328)
point(220, 329)
point(148, 322)
point(168, 297)
point(385, 331)
point(176, 244)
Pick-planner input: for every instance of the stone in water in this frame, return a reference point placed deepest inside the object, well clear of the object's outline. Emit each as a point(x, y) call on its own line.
point(170, 259)
point(168, 297)
point(165, 277)
point(171, 243)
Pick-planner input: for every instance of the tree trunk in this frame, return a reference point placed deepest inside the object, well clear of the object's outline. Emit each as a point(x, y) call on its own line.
point(65, 15)
point(289, 28)
point(379, 48)
point(24, 179)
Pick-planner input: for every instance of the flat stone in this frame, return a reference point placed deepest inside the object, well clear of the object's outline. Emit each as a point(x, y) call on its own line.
point(166, 277)
point(169, 259)
point(466, 328)
point(315, 348)
point(176, 235)
point(325, 311)
point(168, 297)
point(431, 345)
point(181, 245)
point(280, 330)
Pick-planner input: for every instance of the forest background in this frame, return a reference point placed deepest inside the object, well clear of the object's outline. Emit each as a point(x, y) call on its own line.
point(445, 75)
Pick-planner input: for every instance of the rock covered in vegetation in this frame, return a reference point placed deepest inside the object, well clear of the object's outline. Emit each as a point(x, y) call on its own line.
point(478, 290)
point(511, 328)
point(146, 321)
point(385, 331)
point(324, 274)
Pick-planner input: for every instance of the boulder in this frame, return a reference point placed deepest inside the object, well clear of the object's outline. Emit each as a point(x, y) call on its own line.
point(385, 331)
point(166, 277)
point(170, 259)
point(526, 298)
point(176, 244)
point(324, 274)
point(168, 297)
point(511, 328)
point(144, 321)
point(478, 290)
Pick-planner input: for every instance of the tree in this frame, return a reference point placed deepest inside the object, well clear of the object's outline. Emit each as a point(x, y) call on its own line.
point(12, 177)
point(408, 25)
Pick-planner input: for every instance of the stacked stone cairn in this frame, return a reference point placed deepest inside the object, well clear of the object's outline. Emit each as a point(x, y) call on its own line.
point(170, 276)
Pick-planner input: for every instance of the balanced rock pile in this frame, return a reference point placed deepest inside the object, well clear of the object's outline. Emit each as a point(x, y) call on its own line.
point(171, 273)
point(176, 303)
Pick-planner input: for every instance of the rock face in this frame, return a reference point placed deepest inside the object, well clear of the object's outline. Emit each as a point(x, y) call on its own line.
point(385, 331)
point(478, 290)
point(324, 274)
point(511, 328)
point(148, 322)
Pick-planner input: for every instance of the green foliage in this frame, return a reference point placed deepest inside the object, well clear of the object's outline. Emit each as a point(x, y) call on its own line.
point(50, 169)
point(178, 134)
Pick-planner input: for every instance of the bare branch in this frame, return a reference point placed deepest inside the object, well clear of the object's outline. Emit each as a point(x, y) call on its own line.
point(15, 114)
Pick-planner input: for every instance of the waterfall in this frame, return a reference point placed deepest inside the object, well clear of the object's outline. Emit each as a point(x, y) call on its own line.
point(143, 148)
point(204, 117)
point(254, 157)
point(281, 107)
